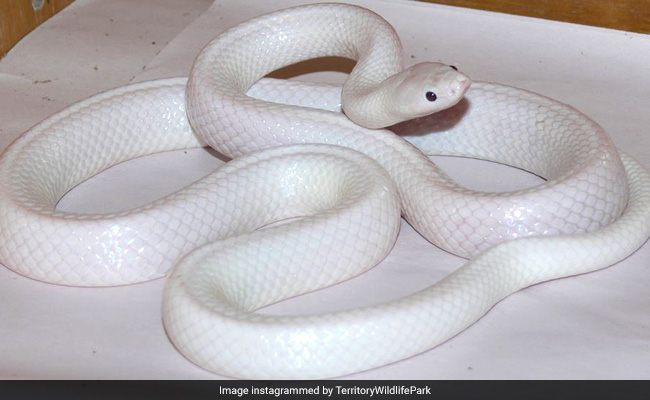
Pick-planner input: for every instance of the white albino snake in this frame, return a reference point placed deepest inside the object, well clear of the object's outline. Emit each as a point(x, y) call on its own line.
point(593, 211)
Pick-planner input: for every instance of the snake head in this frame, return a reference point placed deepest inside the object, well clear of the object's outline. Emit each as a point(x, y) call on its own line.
point(417, 91)
point(427, 88)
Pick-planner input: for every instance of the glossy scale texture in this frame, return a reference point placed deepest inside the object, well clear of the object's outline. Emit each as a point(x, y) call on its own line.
point(341, 197)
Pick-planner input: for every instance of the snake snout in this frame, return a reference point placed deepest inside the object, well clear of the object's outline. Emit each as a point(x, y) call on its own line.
point(459, 87)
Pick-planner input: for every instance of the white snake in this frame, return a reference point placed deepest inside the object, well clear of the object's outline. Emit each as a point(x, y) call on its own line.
point(349, 203)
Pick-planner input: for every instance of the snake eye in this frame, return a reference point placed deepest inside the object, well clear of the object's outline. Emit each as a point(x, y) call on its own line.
point(431, 96)
point(454, 67)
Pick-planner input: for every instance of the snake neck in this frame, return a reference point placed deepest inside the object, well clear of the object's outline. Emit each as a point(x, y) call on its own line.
point(239, 57)
point(371, 104)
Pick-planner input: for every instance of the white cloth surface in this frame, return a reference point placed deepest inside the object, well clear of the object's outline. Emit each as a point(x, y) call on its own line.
point(591, 326)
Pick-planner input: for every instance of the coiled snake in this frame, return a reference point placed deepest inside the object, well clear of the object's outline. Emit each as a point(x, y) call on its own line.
point(296, 155)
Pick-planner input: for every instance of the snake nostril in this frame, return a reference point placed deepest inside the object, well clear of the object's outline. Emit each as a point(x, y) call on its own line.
point(460, 87)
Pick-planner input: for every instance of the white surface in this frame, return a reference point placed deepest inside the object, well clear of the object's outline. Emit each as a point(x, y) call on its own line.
point(590, 326)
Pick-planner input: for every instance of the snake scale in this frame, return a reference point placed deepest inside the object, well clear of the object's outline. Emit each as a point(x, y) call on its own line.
point(320, 158)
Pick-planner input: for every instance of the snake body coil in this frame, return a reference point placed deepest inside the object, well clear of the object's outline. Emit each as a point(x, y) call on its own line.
point(593, 210)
